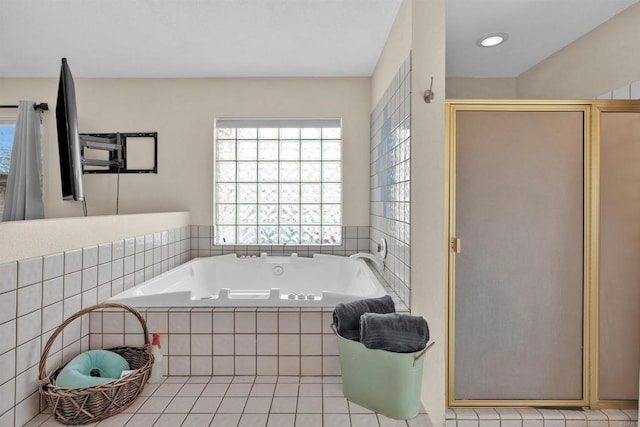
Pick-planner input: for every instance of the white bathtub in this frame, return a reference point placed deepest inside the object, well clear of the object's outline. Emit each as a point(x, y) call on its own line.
point(264, 281)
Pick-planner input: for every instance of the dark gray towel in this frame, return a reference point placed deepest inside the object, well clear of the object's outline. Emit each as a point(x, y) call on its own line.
point(399, 333)
point(346, 317)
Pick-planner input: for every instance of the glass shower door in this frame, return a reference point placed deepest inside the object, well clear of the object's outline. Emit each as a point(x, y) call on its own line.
point(619, 266)
point(519, 275)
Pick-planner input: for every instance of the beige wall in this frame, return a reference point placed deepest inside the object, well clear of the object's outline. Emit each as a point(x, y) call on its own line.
point(480, 88)
point(27, 239)
point(604, 59)
point(182, 111)
point(396, 50)
point(428, 195)
point(419, 28)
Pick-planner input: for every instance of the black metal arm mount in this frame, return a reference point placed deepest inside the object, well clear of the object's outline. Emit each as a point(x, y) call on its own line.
point(116, 145)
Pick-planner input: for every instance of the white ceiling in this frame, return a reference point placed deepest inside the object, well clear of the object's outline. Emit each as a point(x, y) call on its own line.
point(242, 38)
point(193, 38)
point(536, 29)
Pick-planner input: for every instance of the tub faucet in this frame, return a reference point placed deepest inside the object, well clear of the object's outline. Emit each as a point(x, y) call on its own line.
point(377, 261)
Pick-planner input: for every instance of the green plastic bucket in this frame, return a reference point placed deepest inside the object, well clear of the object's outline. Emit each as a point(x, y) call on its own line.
point(385, 382)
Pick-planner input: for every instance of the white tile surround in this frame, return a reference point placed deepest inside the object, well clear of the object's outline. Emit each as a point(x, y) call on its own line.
point(230, 341)
point(354, 239)
point(37, 294)
point(534, 417)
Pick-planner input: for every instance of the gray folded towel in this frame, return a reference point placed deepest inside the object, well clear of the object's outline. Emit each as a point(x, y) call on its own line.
point(346, 317)
point(399, 333)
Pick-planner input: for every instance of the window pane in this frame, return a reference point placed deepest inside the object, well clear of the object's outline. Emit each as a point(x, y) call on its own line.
point(268, 235)
point(268, 214)
point(289, 193)
point(311, 150)
point(289, 172)
point(7, 131)
point(311, 133)
point(247, 193)
point(311, 214)
point(226, 133)
point(268, 172)
point(268, 150)
point(225, 193)
point(331, 150)
point(247, 171)
point(225, 234)
point(311, 235)
point(268, 133)
point(310, 193)
point(247, 214)
point(331, 214)
point(247, 133)
point(247, 235)
point(289, 214)
point(331, 133)
point(290, 133)
point(268, 193)
point(289, 235)
point(226, 172)
point(331, 235)
point(331, 193)
point(226, 150)
point(278, 186)
point(247, 150)
point(226, 214)
point(331, 172)
point(290, 150)
point(310, 172)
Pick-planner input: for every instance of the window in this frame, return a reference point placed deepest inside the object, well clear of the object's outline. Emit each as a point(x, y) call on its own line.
point(7, 130)
point(278, 182)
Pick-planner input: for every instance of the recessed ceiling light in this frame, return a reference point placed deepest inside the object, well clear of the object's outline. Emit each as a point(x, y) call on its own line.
point(492, 40)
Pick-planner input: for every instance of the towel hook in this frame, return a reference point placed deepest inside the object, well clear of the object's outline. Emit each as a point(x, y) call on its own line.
point(428, 94)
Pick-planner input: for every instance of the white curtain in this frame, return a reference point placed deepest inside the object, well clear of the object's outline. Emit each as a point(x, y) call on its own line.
point(23, 197)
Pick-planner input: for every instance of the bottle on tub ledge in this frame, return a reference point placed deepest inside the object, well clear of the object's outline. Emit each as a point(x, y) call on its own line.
point(156, 369)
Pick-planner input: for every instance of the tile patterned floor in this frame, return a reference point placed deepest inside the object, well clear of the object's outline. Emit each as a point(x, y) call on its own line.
point(246, 401)
point(534, 417)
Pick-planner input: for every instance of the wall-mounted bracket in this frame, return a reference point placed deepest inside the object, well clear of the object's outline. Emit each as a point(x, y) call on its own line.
point(123, 154)
point(112, 143)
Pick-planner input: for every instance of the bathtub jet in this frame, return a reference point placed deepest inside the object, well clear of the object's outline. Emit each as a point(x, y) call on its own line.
point(257, 281)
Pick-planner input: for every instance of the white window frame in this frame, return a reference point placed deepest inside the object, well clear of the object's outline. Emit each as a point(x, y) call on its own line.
point(239, 221)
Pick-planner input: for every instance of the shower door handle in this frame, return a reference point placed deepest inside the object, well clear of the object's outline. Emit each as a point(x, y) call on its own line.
point(454, 245)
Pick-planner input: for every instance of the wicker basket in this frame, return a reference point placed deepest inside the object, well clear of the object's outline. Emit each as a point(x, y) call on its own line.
point(82, 405)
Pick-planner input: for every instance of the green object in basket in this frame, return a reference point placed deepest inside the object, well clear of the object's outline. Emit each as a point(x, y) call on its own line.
point(92, 368)
point(385, 382)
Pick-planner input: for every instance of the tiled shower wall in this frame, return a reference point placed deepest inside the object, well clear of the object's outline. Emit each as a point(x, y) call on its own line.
point(630, 91)
point(36, 294)
point(354, 239)
point(390, 179)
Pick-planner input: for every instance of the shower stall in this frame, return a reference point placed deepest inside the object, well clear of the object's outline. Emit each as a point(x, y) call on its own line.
point(544, 278)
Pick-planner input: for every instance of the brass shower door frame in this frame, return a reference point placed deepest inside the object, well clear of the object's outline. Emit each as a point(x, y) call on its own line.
point(599, 107)
point(585, 107)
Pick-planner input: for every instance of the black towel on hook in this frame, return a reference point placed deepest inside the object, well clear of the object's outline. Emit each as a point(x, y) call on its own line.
point(346, 317)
